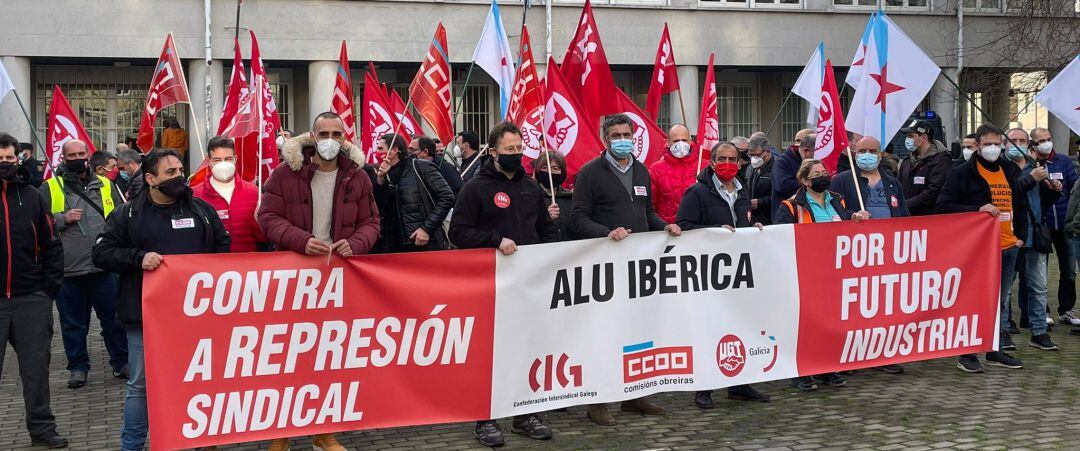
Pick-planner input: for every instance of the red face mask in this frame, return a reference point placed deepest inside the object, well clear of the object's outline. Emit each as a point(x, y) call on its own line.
point(726, 171)
point(111, 175)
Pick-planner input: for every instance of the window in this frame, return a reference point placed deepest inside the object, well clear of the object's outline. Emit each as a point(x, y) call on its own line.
point(971, 116)
point(885, 3)
point(738, 110)
point(109, 112)
point(793, 113)
point(752, 3)
point(280, 91)
point(855, 2)
point(473, 110)
point(663, 117)
point(982, 5)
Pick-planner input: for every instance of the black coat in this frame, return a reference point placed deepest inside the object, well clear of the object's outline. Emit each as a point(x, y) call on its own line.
point(565, 200)
point(784, 183)
point(760, 187)
point(415, 195)
point(118, 249)
point(601, 203)
point(31, 254)
point(931, 170)
point(450, 174)
point(785, 215)
point(469, 169)
point(35, 170)
point(965, 190)
point(492, 207)
point(702, 206)
point(843, 183)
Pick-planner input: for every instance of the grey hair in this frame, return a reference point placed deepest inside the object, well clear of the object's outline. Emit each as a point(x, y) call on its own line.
point(808, 141)
point(759, 142)
point(739, 140)
point(1026, 136)
point(127, 156)
point(1039, 130)
point(612, 120)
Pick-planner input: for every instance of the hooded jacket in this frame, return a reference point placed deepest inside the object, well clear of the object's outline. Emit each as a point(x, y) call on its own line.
point(703, 207)
point(965, 191)
point(491, 207)
point(922, 178)
point(31, 253)
point(285, 215)
point(671, 177)
point(237, 214)
point(418, 197)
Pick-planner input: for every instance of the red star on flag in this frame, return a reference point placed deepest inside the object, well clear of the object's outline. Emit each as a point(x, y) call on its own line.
point(886, 87)
point(860, 61)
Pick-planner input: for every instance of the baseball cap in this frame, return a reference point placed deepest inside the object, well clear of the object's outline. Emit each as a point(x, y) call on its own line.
point(916, 126)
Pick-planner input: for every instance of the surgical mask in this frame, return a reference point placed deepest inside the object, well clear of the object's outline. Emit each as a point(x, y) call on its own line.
point(967, 153)
point(990, 152)
point(175, 188)
point(1046, 147)
point(111, 175)
point(622, 148)
point(680, 149)
point(1014, 153)
point(726, 171)
point(909, 144)
point(509, 162)
point(280, 142)
point(124, 175)
point(223, 171)
point(867, 161)
point(820, 183)
point(328, 149)
point(757, 162)
point(75, 166)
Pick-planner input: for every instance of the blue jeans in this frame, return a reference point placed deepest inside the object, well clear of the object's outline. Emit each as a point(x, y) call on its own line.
point(136, 424)
point(78, 295)
point(1034, 283)
point(1008, 270)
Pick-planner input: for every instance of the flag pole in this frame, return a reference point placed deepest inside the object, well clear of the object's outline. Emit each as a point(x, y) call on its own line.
point(547, 156)
point(457, 107)
point(191, 109)
point(33, 133)
point(262, 127)
point(778, 113)
point(855, 175)
point(682, 105)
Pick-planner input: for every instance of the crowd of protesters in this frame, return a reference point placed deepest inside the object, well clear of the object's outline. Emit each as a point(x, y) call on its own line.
point(84, 237)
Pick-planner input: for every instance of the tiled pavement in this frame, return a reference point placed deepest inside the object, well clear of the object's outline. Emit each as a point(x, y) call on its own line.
point(933, 405)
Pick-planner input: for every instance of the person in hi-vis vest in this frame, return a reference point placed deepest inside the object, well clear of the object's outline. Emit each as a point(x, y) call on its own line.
point(80, 200)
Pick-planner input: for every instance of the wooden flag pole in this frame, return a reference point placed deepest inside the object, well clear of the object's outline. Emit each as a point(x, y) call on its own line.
point(855, 175)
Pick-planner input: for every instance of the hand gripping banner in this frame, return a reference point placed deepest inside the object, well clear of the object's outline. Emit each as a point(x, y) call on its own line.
point(248, 347)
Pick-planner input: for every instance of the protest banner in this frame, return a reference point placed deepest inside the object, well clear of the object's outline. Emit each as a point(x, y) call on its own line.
point(247, 347)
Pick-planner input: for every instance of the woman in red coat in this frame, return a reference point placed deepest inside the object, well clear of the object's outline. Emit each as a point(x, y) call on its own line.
point(234, 199)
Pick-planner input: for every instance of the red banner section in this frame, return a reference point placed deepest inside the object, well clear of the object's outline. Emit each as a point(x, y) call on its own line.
point(896, 291)
point(243, 348)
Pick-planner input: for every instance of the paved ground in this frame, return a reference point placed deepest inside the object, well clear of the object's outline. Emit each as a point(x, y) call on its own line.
point(933, 405)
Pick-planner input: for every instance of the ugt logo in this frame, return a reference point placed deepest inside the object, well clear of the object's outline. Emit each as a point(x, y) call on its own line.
point(730, 355)
point(544, 372)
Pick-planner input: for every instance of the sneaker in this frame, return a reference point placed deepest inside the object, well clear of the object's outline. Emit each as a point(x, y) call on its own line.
point(598, 413)
point(1043, 342)
point(52, 442)
point(326, 442)
point(1012, 328)
point(746, 393)
point(703, 399)
point(1007, 343)
point(1069, 318)
point(641, 406)
point(891, 369)
point(122, 373)
point(77, 379)
point(279, 444)
point(969, 363)
point(804, 383)
point(1049, 320)
point(831, 379)
point(531, 426)
point(1004, 360)
point(489, 434)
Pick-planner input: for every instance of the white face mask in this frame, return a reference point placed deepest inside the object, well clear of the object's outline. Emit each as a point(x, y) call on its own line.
point(680, 149)
point(757, 162)
point(1046, 147)
point(967, 153)
point(223, 171)
point(280, 142)
point(990, 152)
point(328, 149)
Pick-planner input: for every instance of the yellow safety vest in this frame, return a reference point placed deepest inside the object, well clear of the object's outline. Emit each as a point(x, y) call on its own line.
point(56, 195)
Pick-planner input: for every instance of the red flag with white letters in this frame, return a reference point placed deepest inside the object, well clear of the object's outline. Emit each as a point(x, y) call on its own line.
point(167, 87)
point(664, 77)
point(271, 123)
point(238, 86)
point(649, 139)
point(586, 69)
point(342, 102)
point(430, 90)
point(406, 123)
point(527, 100)
point(64, 126)
point(565, 127)
point(831, 132)
point(377, 118)
point(708, 129)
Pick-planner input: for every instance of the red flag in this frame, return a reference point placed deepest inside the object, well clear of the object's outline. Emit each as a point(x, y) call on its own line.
point(246, 121)
point(565, 129)
point(430, 90)
point(649, 140)
point(377, 118)
point(832, 137)
point(238, 86)
point(405, 122)
point(527, 100)
point(585, 66)
point(167, 87)
point(64, 126)
point(664, 77)
point(342, 102)
point(271, 123)
point(708, 129)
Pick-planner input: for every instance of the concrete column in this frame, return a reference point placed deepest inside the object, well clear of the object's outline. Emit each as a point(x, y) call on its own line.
point(12, 119)
point(1061, 133)
point(196, 78)
point(691, 96)
point(998, 104)
point(321, 78)
point(943, 97)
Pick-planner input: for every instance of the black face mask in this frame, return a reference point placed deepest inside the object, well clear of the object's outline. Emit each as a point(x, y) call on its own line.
point(176, 187)
point(77, 167)
point(820, 183)
point(556, 179)
point(509, 163)
point(8, 171)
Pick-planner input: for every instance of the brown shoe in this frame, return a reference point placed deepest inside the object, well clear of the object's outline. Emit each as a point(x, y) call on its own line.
point(598, 413)
point(279, 444)
point(642, 406)
point(326, 442)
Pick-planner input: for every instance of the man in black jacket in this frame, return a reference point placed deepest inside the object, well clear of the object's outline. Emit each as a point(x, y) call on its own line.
point(784, 182)
point(413, 200)
point(32, 263)
point(469, 149)
point(164, 220)
point(35, 167)
point(612, 198)
point(759, 184)
point(425, 149)
point(923, 172)
point(503, 208)
point(990, 184)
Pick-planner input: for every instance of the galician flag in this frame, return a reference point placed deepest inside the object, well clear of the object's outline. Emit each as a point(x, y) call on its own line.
point(898, 75)
point(6, 85)
point(1061, 96)
point(808, 86)
point(855, 71)
point(493, 55)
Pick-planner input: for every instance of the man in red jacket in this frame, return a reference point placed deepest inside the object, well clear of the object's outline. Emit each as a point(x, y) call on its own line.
point(320, 201)
point(234, 199)
point(673, 174)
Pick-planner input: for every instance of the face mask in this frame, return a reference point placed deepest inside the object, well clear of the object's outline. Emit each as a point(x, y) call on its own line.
point(680, 149)
point(909, 144)
point(176, 187)
point(75, 166)
point(820, 183)
point(757, 162)
point(280, 142)
point(1045, 148)
point(990, 152)
point(509, 162)
point(1014, 153)
point(124, 175)
point(8, 171)
point(967, 153)
point(867, 161)
point(328, 149)
point(557, 179)
point(726, 171)
point(111, 175)
point(622, 148)
point(223, 171)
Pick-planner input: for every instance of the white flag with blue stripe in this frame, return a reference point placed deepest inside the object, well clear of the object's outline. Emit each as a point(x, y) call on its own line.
point(808, 86)
point(493, 55)
point(6, 85)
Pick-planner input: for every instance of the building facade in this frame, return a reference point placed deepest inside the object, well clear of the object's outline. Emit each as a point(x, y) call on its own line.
point(101, 54)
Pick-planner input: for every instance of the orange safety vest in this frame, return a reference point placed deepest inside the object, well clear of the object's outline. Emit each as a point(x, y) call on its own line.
point(805, 216)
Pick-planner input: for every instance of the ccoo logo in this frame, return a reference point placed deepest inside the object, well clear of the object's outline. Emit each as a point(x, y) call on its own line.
point(546, 370)
point(730, 355)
